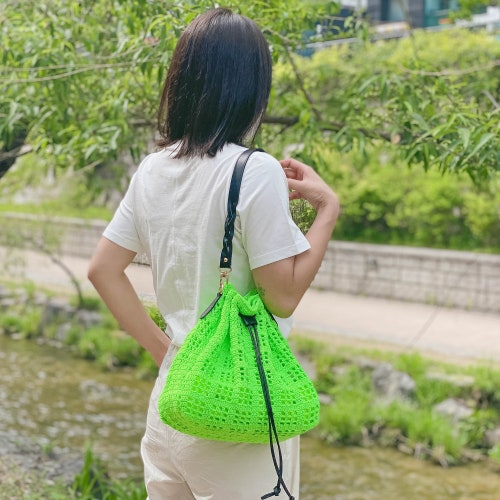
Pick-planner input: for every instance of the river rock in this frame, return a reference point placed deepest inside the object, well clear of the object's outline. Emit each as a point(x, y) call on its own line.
point(392, 384)
point(325, 399)
point(8, 303)
point(91, 389)
point(459, 380)
point(20, 453)
point(5, 292)
point(56, 310)
point(88, 319)
point(307, 365)
point(492, 437)
point(454, 409)
point(365, 364)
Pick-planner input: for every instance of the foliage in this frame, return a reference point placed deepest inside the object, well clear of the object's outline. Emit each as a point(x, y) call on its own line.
point(413, 364)
point(487, 383)
point(23, 324)
point(469, 7)
point(111, 347)
point(432, 97)
point(343, 421)
point(425, 428)
point(89, 303)
point(476, 425)
point(495, 453)
point(384, 201)
point(78, 79)
point(357, 416)
point(79, 83)
point(93, 482)
point(156, 316)
point(430, 391)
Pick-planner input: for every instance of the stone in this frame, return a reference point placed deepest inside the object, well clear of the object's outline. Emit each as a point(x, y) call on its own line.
point(325, 399)
point(458, 380)
point(454, 409)
point(24, 454)
point(392, 384)
point(365, 364)
point(87, 318)
point(5, 292)
point(93, 390)
point(492, 437)
point(307, 365)
point(8, 303)
point(56, 310)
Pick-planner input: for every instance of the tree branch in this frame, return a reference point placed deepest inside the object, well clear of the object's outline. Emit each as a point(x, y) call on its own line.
point(332, 126)
point(40, 245)
point(451, 72)
point(300, 81)
point(83, 69)
point(15, 153)
point(492, 99)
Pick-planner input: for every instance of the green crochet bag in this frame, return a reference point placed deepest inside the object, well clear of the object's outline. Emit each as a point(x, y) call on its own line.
point(234, 377)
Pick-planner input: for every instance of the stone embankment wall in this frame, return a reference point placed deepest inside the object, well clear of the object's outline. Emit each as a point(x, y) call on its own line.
point(449, 278)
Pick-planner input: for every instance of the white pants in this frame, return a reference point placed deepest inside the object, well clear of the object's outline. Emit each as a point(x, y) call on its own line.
point(182, 467)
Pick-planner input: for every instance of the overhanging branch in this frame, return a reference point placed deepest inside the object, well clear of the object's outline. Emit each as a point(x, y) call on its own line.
point(333, 127)
point(15, 153)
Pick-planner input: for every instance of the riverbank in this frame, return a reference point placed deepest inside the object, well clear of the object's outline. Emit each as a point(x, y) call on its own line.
point(58, 399)
point(344, 367)
point(366, 471)
point(28, 470)
point(438, 411)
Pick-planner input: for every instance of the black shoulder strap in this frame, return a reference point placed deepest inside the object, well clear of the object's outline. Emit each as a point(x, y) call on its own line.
point(232, 202)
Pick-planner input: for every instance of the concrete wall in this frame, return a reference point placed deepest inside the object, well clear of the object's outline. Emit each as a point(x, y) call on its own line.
point(450, 278)
point(77, 237)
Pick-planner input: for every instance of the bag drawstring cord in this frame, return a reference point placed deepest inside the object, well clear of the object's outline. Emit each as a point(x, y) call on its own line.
point(251, 324)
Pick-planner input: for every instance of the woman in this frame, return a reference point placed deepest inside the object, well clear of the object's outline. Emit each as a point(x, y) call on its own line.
point(215, 94)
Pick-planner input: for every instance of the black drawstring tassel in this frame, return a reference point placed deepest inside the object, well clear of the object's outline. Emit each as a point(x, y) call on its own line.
point(251, 324)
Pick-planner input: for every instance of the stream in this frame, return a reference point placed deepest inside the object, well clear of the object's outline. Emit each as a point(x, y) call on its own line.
point(47, 394)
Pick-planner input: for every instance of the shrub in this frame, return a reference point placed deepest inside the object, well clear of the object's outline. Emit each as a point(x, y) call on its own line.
point(93, 482)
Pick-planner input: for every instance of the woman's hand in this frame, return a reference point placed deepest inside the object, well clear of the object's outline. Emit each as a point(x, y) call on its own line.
point(283, 283)
point(305, 183)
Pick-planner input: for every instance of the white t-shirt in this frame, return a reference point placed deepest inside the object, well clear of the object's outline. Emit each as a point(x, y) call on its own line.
point(174, 211)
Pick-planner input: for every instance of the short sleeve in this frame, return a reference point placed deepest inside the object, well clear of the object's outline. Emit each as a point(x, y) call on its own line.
point(268, 231)
point(122, 229)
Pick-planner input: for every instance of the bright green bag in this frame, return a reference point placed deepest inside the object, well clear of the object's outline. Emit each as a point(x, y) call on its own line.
point(235, 377)
point(213, 388)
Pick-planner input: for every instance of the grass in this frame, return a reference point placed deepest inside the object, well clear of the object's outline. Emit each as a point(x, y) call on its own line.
point(357, 416)
point(58, 208)
point(92, 482)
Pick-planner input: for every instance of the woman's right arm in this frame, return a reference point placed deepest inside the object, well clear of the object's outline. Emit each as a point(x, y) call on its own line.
point(282, 284)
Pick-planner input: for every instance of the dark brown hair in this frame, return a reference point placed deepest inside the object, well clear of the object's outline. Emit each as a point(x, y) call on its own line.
point(217, 86)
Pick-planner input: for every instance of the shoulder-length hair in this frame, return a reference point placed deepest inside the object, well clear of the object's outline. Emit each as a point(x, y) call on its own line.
point(217, 86)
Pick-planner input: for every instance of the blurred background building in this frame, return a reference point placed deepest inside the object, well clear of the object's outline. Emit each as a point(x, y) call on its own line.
point(419, 13)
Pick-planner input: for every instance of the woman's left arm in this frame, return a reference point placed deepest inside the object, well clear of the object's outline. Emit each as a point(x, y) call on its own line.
point(107, 274)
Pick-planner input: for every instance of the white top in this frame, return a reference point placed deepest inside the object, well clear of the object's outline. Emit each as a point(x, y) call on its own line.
point(174, 211)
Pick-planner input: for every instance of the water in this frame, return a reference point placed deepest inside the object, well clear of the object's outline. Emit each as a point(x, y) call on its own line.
point(47, 394)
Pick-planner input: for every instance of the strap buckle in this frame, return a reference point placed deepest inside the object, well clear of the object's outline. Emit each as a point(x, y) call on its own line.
point(224, 278)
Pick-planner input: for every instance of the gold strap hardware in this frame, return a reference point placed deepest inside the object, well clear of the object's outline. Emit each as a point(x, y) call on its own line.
point(224, 278)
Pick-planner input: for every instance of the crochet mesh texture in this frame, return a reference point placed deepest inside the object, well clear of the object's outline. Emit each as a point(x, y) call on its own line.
point(213, 390)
